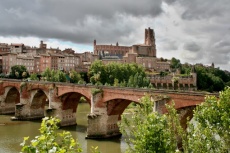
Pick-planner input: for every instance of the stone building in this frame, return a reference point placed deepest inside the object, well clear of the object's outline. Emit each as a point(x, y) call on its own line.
point(4, 48)
point(17, 48)
point(143, 54)
point(37, 59)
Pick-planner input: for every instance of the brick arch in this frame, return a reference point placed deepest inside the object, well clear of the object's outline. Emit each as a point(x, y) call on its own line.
point(70, 100)
point(84, 91)
point(111, 94)
point(12, 97)
point(117, 107)
point(9, 91)
point(186, 114)
point(39, 99)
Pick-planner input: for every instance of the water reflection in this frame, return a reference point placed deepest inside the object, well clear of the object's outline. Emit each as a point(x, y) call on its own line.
point(12, 133)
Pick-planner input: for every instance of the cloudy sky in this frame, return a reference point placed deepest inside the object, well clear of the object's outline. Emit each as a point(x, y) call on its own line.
point(195, 31)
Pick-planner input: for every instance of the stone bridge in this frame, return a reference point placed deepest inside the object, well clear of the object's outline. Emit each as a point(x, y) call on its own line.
point(36, 99)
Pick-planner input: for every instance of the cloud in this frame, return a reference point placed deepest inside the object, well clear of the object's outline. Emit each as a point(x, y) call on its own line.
point(75, 20)
point(205, 9)
point(192, 30)
point(192, 46)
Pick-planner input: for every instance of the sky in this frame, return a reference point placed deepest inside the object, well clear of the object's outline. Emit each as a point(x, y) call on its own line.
point(194, 31)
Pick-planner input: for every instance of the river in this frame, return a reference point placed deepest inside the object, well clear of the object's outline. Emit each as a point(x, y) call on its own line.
point(12, 133)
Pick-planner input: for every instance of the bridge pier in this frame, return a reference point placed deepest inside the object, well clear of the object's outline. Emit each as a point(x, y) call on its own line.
point(6, 108)
point(24, 112)
point(55, 109)
point(101, 125)
point(67, 117)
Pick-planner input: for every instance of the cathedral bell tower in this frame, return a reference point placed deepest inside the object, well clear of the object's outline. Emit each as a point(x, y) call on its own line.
point(150, 40)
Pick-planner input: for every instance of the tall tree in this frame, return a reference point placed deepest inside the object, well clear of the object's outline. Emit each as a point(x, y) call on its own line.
point(17, 71)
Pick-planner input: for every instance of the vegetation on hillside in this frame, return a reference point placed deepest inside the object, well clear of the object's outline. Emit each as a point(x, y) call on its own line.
point(151, 132)
point(208, 78)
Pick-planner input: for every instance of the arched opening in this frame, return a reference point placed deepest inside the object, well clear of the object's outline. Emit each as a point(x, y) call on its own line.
point(37, 106)
point(12, 98)
point(186, 114)
point(70, 103)
point(115, 109)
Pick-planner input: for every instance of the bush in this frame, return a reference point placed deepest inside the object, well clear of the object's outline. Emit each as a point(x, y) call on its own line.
point(51, 141)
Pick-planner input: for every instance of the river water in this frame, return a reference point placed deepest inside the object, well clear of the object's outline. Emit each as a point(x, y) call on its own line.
point(12, 133)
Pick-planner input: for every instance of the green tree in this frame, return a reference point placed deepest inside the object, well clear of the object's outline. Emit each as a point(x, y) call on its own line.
point(33, 76)
point(50, 141)
point(17, 71)
point(155, 132)
point(213, 122)
point(47, 74)
point(74, 77)
point(175, 63)
point(148, 131)
point(61, 76)
point(122, 73)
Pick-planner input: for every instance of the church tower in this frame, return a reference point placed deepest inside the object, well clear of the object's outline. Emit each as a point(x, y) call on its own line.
point(150, 40)
point(149, 37)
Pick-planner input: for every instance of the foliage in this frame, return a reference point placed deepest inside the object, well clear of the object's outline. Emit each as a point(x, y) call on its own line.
point(175, 63)
point(24, 74)
point(148, 131)
point(116, 74)
point(208, 78)
point(82, 100)
point(22, 85)
point(61, 76)
point(2, 75)
point(18, 72)
point(74, 77)
point(95, 91)
point(213, 121)
point(175, 79)
point(155, 132)
point(47, 74)
point(51, 141)
point(33, 76)
point(54, 76)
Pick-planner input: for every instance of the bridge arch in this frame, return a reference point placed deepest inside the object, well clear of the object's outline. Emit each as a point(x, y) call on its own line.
point(70, 100)
point(69, 105)
point(84, 91)
point(10, 98)
point(186, 114)
point(38, 99)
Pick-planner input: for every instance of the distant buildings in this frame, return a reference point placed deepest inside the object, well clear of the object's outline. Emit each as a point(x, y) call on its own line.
point(37, 59)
